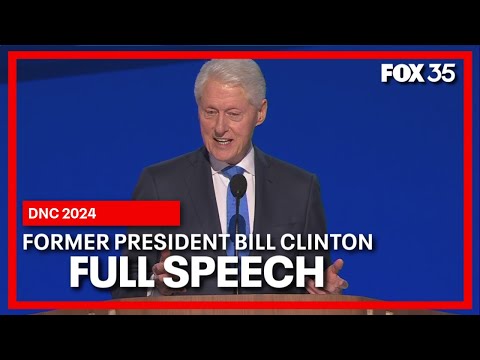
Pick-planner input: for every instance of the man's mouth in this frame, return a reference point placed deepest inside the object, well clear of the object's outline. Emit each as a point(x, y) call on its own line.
point(223, 141)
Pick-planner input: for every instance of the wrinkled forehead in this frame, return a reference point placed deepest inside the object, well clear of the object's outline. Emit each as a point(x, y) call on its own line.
point(216, 92)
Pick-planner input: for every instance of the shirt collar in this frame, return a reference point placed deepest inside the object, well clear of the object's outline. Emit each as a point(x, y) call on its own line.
point(247, 163)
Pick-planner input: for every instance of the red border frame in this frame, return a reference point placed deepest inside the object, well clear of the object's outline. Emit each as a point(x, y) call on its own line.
point(466, 56)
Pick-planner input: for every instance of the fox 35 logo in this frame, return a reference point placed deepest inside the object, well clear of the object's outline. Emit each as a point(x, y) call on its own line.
point(413, 73)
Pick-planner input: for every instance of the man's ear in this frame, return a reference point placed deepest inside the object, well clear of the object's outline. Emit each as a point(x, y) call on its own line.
point(262, 113)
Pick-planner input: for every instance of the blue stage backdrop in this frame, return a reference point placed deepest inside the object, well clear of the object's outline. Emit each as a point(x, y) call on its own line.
point(389, 157)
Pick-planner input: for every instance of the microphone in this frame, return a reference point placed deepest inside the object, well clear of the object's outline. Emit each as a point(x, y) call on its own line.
point(238, 188)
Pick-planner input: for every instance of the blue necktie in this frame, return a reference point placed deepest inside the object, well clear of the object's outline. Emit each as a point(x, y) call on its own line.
point(243, 218)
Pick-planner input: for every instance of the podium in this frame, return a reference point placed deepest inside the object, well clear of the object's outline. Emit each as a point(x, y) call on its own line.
point(252, 304)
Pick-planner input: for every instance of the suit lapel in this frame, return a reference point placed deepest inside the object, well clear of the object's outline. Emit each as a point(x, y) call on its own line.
point(262, 193)
point(202, 193)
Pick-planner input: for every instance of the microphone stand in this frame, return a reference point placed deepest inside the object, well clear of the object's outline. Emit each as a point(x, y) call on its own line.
point(238, 187)
point(237, 211)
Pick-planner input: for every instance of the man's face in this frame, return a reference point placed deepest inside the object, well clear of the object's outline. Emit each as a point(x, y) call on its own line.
point(227, 121)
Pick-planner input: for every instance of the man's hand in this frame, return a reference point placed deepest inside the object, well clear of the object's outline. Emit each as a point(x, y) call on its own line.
point(333, 283)
point(160, 274)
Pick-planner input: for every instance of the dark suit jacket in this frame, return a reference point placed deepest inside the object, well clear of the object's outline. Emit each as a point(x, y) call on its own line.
point(287, 200)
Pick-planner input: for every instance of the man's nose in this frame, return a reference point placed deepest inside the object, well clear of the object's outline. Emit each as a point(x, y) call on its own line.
point(221, 125)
